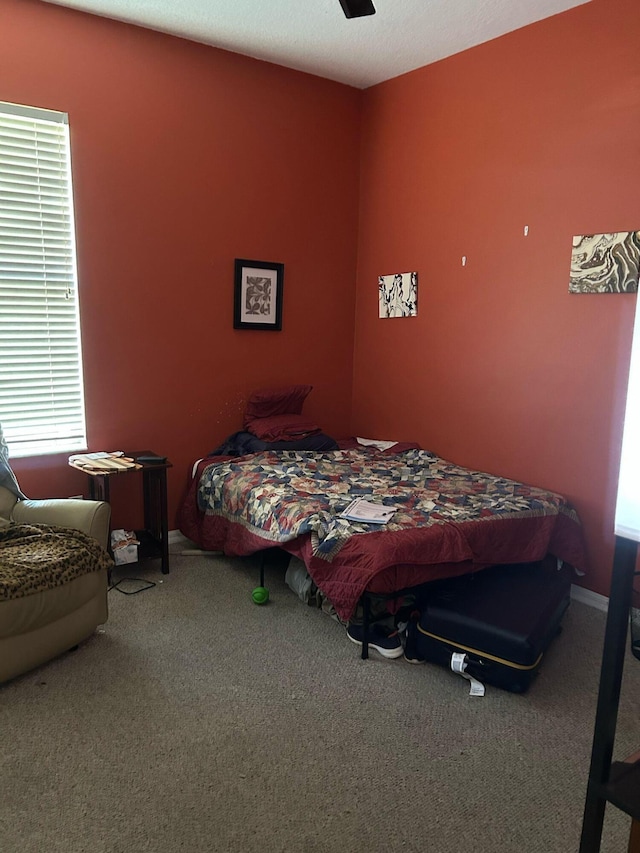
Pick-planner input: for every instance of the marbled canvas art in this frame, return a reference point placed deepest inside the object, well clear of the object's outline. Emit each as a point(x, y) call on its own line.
point(398, 294)
point(605, 263)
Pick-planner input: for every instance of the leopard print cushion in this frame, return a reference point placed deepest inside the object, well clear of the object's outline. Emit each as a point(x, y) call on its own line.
point(37, 557)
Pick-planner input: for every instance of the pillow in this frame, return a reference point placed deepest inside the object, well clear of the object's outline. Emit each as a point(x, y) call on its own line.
point(282, 427)
point(276, 401)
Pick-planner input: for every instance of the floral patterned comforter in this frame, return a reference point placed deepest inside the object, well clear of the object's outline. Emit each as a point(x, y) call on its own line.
point(280, 496)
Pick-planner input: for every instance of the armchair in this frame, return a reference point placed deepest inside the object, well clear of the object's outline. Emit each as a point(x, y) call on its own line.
point(43, 614)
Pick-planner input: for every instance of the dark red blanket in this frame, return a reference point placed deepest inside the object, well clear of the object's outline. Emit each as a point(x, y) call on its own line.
point(449, 520)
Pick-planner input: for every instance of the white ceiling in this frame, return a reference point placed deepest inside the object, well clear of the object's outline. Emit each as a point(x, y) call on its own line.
point(314, 35)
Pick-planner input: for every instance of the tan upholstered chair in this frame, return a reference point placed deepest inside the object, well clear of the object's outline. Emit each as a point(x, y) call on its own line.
point(36, 627)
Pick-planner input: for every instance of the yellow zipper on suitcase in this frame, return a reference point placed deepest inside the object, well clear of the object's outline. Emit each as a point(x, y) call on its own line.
point(481, 654)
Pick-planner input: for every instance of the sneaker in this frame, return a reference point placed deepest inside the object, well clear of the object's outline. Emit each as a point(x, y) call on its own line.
point(411, 654)
point(384, 640)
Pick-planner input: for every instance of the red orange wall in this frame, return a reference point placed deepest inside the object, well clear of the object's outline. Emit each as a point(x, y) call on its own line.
point(184, 158)
point(502, 369)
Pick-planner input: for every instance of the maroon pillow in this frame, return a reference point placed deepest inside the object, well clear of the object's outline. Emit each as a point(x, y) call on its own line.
point(282, 428)
point(276, 401)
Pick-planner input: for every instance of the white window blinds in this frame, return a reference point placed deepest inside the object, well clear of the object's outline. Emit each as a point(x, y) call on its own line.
point(41, 389)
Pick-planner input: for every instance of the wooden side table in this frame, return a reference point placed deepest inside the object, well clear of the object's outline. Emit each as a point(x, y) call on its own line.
point(154, 539)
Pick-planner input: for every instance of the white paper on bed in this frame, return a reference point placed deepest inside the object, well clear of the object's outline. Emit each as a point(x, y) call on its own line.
point(368, 512)
point(373, 442)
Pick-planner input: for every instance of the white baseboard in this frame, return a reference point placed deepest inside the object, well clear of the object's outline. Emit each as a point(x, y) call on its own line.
point(593, 599)
point(179, 544)
point(176, 538)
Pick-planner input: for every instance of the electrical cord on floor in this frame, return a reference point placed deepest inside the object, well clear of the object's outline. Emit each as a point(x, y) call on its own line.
point(116, 586)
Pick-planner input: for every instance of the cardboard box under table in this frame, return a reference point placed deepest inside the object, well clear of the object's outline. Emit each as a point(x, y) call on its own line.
point(502, 619)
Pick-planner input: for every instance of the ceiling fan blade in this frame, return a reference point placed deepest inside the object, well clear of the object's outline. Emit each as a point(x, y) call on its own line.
point(357, 8)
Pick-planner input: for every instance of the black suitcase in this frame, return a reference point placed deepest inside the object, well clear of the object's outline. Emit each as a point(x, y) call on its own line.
point(502, 619)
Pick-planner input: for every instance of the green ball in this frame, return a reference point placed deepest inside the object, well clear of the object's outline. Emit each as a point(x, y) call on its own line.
point(260, 595)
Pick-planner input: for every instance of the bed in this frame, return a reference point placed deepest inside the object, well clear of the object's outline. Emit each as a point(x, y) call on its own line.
point(447, 520)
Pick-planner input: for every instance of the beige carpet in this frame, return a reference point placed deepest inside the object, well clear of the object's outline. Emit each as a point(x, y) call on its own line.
point(198, 721)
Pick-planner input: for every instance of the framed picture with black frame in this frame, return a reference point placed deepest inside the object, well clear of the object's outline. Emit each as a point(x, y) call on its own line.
point(257, 300)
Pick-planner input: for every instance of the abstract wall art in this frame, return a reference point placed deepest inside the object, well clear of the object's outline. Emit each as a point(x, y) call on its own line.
point(257, 300)
point(605, 263)
point(398, 295)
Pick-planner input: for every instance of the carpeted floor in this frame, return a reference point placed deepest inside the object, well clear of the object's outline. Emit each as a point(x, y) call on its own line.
point(198, 721)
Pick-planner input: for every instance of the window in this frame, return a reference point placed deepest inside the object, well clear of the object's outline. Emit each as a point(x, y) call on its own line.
point(41, 388)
